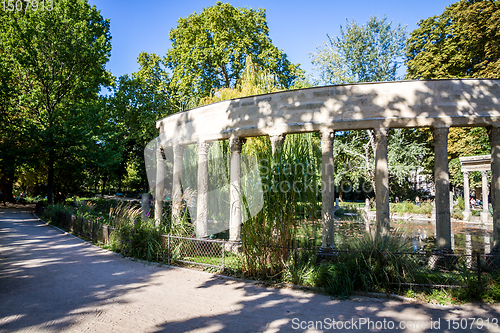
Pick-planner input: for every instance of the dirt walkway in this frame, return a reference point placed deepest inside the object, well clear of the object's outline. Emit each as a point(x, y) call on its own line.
point(50, 281)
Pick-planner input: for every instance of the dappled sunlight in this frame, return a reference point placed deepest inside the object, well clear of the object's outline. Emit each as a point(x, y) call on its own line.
point(73, 285)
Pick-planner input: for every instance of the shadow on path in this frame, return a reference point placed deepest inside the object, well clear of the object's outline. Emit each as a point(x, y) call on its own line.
point(50, 281)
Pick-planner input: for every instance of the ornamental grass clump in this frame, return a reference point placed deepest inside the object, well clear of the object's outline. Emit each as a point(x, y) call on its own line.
point(371, 263)
point(288, 177)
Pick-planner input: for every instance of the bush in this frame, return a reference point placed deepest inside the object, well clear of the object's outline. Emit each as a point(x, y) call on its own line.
point(373, 263)
point(141, 240)
point(51, 213)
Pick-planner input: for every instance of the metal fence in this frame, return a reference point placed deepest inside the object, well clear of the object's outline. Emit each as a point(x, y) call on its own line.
point(425, 269)
point(213, 253)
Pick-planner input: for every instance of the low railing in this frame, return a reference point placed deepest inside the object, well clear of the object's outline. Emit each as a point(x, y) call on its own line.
point(192, 251)
point(427, 269)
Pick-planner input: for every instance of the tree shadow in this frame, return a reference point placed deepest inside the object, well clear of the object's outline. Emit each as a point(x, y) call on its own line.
point(261, 309)
point(48, 280)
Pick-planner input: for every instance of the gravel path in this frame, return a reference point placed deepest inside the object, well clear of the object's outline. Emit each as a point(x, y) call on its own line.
point(50, 281)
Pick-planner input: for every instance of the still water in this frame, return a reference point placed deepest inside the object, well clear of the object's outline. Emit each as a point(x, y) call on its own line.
point(466, 237)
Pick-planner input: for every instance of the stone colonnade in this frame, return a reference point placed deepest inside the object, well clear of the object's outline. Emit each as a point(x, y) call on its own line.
point(476, 163)
point(441, 174)
point(435, 104)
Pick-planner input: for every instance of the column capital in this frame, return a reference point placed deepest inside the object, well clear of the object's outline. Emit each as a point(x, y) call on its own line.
point(440, 135)
point(466, 173)
point(381, 135)
point(494, 134)
point(203, 147)
point(178, 150)
point(484, 173)
point(327, 137)
point(235, 143)
point(277, 138)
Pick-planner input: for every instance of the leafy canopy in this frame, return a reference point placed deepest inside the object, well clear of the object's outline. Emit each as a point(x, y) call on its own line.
point(209, 50)
point(57, 65)
point(464, 41)
point(362, 53)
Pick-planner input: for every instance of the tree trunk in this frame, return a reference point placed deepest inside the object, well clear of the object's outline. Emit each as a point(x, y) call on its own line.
point(50, 180)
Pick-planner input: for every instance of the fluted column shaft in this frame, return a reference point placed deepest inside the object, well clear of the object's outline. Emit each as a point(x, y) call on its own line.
point(466, 196)
point(484, 183)
point(177, 182)
point(382, 181)
point(235, 190)
point(442, 179)
point(202, 197)
point(328, 189)
point(494, 133)
point(160, 186)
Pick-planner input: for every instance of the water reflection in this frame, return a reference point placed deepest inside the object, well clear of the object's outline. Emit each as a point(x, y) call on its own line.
point(466, 237)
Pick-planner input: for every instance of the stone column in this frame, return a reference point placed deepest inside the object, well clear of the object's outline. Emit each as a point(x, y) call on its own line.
point(235, 190)
point(484, 182)
point(327, 189)
point(494, 133)
point(202, 197)
point(383, 226)
point(145, 209)
point(467, 213)
point(276, 142)
point(442, 179)
point(177, 183)
point(468, 249)
point(160, 185)
point(487, 247)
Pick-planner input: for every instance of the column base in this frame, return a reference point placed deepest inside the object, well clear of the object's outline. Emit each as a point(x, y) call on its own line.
point(467, 215)
point(327, 254)
point(485, 216)
point(233, 246)
point(443, 259)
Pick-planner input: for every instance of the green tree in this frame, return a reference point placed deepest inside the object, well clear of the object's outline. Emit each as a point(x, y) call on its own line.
point(367, 53)
point(58, 60)
point(362, 53)
point(464, 41)
point(209, 50)
point(139, 100)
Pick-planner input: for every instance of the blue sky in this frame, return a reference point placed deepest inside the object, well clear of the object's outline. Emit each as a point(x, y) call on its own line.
point(296, 27)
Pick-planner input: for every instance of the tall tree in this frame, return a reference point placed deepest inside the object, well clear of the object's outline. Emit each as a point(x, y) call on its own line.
point(58, 58)
point(368, 53)
point(464, 41)
point(362, 53)
point(209, 50)
point(139, 100)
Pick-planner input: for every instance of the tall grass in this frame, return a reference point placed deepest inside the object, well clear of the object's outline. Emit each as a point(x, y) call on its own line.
point(373, 263)
point(288, 178)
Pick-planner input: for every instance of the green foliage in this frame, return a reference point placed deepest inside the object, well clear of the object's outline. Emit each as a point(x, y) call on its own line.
point(373, 263)
point(51, 212)
point(141, 240)
point(461, 42)
point(362, 53)
point(287, 178)
point(209, 50)
point(58, 62)
point(411, 208)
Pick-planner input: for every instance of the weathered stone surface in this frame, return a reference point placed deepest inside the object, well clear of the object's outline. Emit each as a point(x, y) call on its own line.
point(467, 102)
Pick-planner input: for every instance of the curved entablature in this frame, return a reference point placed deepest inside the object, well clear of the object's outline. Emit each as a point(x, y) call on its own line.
point(401, 104)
